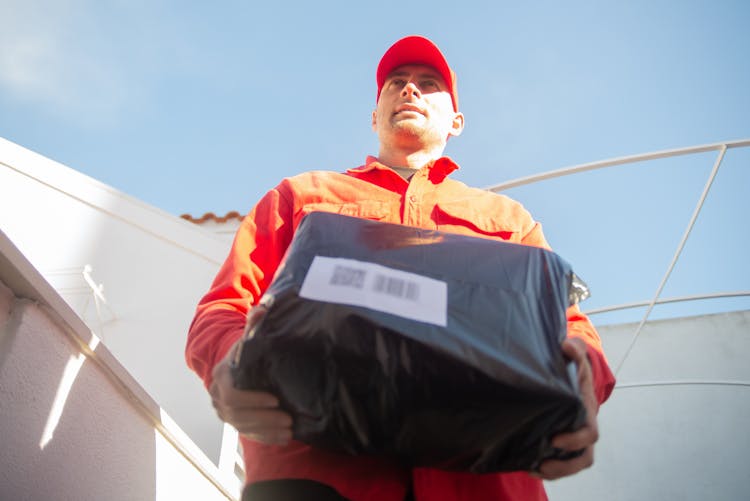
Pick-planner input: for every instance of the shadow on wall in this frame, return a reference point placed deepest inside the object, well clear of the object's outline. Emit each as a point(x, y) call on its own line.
point(66, 433)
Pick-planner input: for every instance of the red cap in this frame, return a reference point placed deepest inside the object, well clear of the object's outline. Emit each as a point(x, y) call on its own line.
point(416, 50)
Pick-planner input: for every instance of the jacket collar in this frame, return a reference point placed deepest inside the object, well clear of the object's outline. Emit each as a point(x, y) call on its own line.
point(439, 169)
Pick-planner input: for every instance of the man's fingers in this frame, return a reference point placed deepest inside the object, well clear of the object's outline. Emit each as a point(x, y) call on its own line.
point(576, 440)
point(229, 396)
point(252, 419)
point(553, 469)
point(246, 399)
point(584, 438)
point(248, 410)
point(575, 349)
point(254, 414)
point(269, 437)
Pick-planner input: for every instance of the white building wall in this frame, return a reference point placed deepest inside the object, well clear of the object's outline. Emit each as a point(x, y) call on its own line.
point(72, 431)
point(153, 267)
point(676, 426)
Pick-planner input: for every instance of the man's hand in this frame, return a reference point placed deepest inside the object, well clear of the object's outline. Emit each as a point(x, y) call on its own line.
point(255, 414)
point(585, 437)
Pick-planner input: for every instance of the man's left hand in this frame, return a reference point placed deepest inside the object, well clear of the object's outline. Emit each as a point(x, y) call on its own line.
point(585, 437)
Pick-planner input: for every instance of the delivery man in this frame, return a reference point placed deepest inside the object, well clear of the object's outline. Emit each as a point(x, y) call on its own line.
point(407, 183)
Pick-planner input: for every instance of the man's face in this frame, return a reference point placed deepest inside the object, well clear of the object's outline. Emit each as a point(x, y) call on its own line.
point(415, 107)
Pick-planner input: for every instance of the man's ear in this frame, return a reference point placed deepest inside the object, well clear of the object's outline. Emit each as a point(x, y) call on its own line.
point(374, 119)
point(457, 126)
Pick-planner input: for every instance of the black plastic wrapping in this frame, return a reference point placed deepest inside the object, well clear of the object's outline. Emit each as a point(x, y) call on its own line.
point(483, 393)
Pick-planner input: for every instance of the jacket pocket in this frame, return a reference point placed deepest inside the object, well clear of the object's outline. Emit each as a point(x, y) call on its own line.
point(466, 218)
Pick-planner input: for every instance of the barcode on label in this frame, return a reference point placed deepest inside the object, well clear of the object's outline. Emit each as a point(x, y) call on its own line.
point(348, 277)
point(396, 287)
point(361, 283)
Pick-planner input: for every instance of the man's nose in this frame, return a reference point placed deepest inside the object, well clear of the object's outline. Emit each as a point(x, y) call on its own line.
point(410, 89)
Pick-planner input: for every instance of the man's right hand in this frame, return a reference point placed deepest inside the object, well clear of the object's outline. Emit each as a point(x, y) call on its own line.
point(255, 414)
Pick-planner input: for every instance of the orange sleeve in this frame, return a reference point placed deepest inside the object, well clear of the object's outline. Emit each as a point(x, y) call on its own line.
point(256, 252)
point(581, 327)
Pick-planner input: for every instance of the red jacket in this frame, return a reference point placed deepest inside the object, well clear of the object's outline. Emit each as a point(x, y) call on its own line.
point(429, 200)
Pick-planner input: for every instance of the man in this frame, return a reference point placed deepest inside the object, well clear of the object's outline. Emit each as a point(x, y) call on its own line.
point(408, 183)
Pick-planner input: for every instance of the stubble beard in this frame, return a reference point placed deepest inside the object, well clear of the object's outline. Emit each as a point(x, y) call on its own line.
point(407, 132)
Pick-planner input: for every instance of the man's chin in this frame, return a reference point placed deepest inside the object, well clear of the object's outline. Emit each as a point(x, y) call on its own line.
point(410, 125)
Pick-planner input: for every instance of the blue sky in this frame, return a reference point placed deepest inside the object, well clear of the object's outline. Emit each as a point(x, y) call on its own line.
point(198, 106)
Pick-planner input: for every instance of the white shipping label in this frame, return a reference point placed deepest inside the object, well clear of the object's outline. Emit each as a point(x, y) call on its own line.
point(359, 283)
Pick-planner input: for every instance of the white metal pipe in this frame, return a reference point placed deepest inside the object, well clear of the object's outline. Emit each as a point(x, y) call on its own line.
point(639, 304)
point(617, 161)
point(677, 253)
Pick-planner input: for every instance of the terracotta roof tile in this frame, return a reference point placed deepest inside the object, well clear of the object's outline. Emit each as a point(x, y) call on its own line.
point(210, 216)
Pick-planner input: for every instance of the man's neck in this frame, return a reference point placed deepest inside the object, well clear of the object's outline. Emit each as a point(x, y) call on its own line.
point(411, 159)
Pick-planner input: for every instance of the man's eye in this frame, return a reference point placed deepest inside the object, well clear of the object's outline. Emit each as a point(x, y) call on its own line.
point(398, 82)
point(430, 84)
